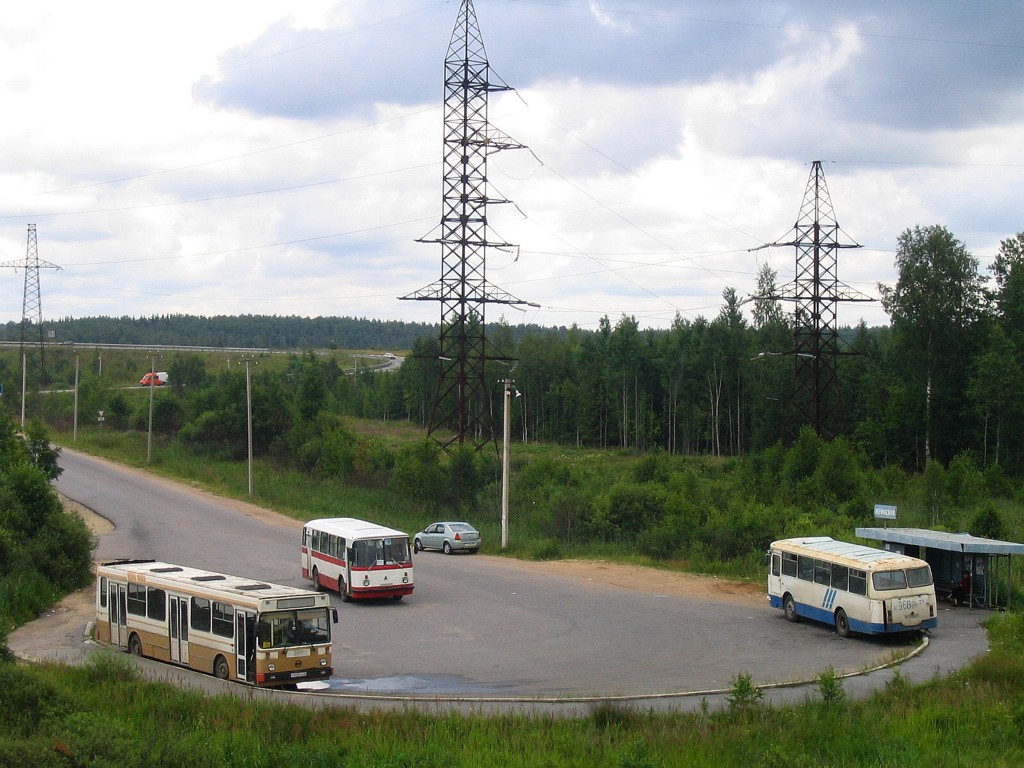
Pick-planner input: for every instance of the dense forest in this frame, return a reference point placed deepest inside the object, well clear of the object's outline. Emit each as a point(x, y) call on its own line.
point(943, 380)
point(271, 332)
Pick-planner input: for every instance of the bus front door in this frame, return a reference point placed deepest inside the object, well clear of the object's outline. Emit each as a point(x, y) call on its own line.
point(179, 629)
point(117, 596)
point(245, 645)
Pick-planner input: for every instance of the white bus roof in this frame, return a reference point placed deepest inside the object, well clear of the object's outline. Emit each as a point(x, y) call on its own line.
point(194, 581)
point(352, 528)
point(868, 558)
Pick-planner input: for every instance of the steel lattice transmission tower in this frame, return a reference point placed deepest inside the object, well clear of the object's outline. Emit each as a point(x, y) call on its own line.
point(815, 398)
point(462, 411)
point(32, 308)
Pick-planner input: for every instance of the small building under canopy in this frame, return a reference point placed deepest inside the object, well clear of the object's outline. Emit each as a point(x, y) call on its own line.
point(951, 555)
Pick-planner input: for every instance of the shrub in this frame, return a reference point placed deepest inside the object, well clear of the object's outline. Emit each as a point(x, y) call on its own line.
point(28, 700)
point(744, 696)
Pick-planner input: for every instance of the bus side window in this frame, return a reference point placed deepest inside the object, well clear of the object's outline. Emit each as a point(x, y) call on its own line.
point(776, 564)
point(805, 568)
point(788, 564)
point(201, 615)
point(840, 577)
point(103, 591)
point(858, 582)
point(156, 604)
point(822, 573)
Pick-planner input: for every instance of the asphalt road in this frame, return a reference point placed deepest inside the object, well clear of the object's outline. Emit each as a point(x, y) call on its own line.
point(493, 629)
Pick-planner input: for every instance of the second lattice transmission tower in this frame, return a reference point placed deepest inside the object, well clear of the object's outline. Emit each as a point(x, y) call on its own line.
point(461, 411)
point(32, 305)
point(815, 398)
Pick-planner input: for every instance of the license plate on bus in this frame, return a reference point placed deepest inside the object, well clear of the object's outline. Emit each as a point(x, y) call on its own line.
point(297, 674)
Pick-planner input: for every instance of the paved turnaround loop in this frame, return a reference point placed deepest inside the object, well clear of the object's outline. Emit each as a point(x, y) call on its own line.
point(489, 634)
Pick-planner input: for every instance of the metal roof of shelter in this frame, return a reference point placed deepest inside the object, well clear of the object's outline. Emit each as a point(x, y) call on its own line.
point(951, 542)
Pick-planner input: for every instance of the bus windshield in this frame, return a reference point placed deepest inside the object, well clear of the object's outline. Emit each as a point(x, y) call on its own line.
point(393, 550)
point(280, 629)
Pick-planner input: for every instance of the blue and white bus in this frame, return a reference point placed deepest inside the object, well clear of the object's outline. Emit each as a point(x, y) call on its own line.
point(853, 587)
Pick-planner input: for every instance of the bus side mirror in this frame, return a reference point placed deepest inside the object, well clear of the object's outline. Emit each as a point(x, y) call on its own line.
point(334, 615)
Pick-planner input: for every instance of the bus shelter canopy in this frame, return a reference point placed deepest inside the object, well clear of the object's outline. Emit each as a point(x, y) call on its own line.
point(964, 543)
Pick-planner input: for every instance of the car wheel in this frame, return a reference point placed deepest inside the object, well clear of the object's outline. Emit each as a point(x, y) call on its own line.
point(789, 608)
point(843, 624)
point(417, 546)
point(221, 670)
point(447, 548)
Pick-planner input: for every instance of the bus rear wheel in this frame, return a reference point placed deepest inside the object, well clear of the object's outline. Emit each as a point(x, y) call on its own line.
point(843, 624)
point(220, 668)
point(135, 645)
point(789, 608)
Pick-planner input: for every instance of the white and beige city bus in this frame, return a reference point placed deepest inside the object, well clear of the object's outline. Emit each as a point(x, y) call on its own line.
point(235, 628)
point(356, 558)
point(853, 587)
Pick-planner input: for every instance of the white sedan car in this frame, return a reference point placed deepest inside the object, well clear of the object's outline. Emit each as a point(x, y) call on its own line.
point(447, 537)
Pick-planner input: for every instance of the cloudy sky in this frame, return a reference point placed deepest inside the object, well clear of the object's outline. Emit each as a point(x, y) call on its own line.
point(281, 157)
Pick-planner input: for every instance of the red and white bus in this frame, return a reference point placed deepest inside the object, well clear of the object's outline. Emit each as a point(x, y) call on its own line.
point(356, 558)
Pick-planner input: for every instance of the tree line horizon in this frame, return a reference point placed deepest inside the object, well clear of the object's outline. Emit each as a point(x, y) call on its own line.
point(944, 378)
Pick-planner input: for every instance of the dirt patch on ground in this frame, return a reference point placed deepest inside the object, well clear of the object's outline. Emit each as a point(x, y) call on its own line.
point(638, 578)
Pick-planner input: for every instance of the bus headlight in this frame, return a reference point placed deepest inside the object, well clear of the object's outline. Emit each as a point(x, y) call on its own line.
point(271, 667)
point(323, 662)
point(405, 578)
point(366, 581)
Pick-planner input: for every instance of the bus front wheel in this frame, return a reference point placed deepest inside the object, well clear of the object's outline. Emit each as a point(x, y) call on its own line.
point(220, 668)
point(345, 596)
point(843, 624)
point(316, 581)
point(789, 608)
point(135, 645)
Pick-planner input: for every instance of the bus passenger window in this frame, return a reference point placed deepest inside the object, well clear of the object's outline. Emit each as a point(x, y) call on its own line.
point(156, 604)
point(822, 573)
point(136, 599)
point(201, 614)
point(805, 568)
point(223, 619)
point(858, 582)
point(788, 564)
point(840, 577)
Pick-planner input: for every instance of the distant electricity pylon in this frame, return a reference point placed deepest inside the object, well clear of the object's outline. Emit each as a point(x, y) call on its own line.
point(815, 398)
point(462, 410)
point(32, 308)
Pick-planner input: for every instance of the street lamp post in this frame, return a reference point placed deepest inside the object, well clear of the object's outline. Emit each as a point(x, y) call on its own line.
point(506, 429)
point(248, 414)
point(149, 438)
point(24, 366)
point(74, 433)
